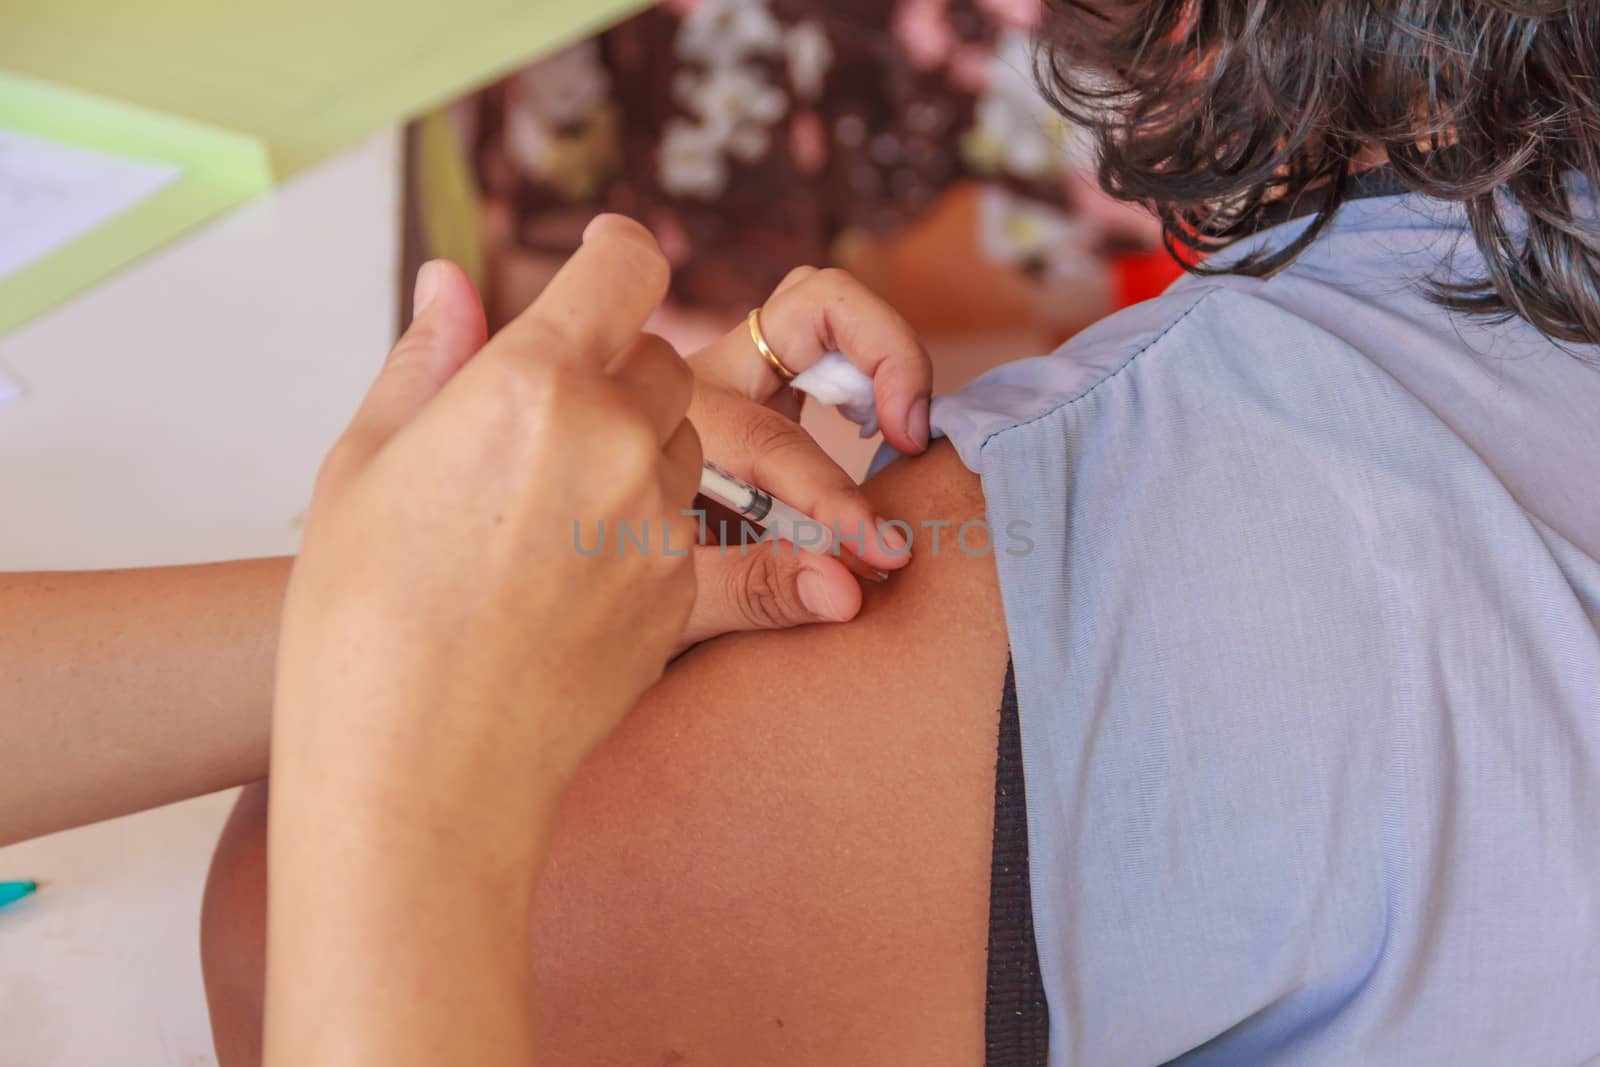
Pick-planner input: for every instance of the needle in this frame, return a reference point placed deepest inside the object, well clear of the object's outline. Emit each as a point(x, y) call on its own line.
point(781, 520)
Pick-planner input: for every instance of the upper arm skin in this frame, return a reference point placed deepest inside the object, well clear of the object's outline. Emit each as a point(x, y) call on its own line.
point(782, 856)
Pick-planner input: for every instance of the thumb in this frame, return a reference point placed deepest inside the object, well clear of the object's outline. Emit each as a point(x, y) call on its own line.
point(447, 328)
point(767, 586)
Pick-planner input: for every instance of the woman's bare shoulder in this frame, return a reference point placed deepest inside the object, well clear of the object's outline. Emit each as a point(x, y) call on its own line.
point(783, 857)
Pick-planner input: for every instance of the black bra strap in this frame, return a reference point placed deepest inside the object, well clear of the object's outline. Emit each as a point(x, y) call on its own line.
point(1017, 1023)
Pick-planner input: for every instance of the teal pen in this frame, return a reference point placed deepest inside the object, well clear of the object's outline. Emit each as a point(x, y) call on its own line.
point(11, 892)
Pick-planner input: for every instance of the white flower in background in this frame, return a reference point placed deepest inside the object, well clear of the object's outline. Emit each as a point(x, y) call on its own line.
point(810, 58)
point(565, 88)
point(1014, 232)
point(1011, 69)
point(691, 163)
point(736, 105)
point(749, 143)
point(1012, 76)
point(1006, 139)
point(528, 142)
point(721, 32)
point(725, 97)
point(1016, 131)
point(1013, 140)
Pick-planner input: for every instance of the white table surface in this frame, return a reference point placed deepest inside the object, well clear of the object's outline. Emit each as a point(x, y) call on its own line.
point(177, 413)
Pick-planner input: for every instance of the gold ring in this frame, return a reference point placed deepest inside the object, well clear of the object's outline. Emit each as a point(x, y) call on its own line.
point(766, 350)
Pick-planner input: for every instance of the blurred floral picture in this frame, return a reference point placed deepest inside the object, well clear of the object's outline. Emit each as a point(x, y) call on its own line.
point(905, 141)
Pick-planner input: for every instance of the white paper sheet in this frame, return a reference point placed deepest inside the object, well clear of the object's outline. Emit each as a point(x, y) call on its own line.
point(52, 193)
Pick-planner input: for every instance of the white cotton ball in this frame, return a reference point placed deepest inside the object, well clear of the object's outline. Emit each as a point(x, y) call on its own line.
point(835, 381)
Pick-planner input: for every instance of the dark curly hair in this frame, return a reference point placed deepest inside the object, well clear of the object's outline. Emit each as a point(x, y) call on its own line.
point(1213, 113)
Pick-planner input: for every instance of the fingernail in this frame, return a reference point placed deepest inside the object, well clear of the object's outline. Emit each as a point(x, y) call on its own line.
point(892, 538)
point(816, 598)
point(917, 422)
point(426, 289)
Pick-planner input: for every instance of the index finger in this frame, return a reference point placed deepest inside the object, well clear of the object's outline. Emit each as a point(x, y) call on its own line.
point(599, 300)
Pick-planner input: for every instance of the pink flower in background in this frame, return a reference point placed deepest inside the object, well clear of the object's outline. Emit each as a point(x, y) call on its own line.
point(808, 142)
point(680, 7)
point(969, 68)
point(924, 32)
point(1023, 14)
point(672, 237)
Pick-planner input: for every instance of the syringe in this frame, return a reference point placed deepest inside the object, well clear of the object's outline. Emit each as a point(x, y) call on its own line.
point(781, 520)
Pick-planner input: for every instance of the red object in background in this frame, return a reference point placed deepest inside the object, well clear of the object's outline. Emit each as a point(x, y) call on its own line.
point(1143, 276)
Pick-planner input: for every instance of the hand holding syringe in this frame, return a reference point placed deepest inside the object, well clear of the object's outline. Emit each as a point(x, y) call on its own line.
point(843, 345)
point(783, 521)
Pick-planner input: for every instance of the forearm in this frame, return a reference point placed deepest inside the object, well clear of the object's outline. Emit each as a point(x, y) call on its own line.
point(124, 690)
point(399, 888)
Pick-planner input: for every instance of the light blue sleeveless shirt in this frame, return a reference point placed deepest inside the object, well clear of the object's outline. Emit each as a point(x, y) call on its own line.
point(1308, 664)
